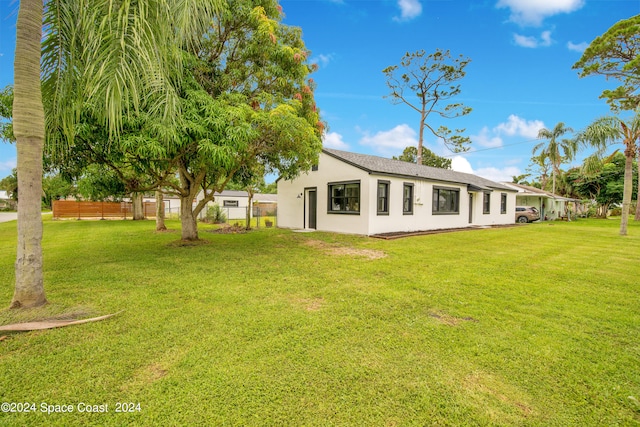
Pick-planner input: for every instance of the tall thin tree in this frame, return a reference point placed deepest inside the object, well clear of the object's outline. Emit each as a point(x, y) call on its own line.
point(423, 82)
point(557, 151)
point(611, 130)
point(29, 130)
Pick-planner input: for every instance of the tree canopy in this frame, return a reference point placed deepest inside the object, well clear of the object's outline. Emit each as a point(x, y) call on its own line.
point(247, 108)
point(616, 55)
point(429, 158)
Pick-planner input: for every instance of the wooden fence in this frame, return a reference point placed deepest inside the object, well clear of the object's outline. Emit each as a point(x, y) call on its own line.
point(102, 210)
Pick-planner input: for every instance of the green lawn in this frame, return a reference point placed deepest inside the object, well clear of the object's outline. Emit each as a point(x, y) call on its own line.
point(534, 325)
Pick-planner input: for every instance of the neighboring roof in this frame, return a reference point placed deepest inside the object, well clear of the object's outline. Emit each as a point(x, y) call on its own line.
point(232, 193)
point(383, 166)
point(256, 196)
point(268, 198)
point(527, 190)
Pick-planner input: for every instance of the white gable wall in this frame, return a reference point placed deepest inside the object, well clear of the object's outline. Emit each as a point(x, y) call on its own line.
point(291, 208)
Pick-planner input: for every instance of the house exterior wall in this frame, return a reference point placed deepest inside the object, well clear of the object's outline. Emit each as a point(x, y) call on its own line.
point(293, 203)
point(292, 209)
point(423, 217)
point(552, 210)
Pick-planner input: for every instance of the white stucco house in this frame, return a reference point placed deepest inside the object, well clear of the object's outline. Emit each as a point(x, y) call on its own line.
point(369, 195)
point(551, 206)
point(234, 203)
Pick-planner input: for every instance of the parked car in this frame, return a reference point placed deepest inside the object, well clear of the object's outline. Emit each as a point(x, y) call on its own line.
point(527, 214)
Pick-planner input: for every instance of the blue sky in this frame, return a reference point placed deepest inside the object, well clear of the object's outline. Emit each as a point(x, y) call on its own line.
point(519, 79)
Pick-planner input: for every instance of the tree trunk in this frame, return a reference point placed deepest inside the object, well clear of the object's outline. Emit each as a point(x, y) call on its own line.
point(188, 218)
point(137, 204)
point(160, 211)
point(637, 215)
point(29, 129)
point(248, 215)
point(421, 137)
point(626, 194)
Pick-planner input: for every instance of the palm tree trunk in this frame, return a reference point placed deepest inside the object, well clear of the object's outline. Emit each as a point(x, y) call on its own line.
point(29, 129)
point(626, 193)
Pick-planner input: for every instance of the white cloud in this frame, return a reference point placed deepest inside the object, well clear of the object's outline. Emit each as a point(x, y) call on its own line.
point(322, 60)
point(460, 164)
point(499, 175)
point(409, 9)
point(533, 42)
point(514, 126)
point(391, 141)
point(533, 12)
point(334, 140)
point(8, 165)
point(578, 47)
point(484, 139)
point(517, 126)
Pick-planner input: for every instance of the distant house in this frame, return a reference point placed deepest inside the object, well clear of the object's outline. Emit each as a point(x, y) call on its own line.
point(6, 202)
point(551, 206)
point(234, 203)
point(368, 195)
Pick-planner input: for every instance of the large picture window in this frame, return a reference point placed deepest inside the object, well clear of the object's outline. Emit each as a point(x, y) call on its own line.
point(446, 200)
point(344, 197)
point(383, 197)
point(407, 199)
point(486, 203)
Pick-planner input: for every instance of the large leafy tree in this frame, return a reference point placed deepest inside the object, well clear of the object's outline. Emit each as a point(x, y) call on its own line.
point(109, 55)
point(429, 158)
point(425, 82)
point(616, 55)
point(556, 150)
point(612, 130)
point(247, 108)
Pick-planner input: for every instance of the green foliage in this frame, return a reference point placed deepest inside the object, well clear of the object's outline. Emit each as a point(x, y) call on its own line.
point(6, 114)
point(99, 183)
point(116, 58)
point(215, 214)
point(423, 82)
point(429, 158)
point(10, 184)
point(325, 329)
point(55, 187)
point(556, 151)
point(616, 54)
point(247, 109)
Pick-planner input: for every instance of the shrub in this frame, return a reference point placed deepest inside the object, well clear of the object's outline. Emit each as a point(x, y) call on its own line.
point(215, 215)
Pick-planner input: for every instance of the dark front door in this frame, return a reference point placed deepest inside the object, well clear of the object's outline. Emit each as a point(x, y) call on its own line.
point(312, 208)
point(470, 208)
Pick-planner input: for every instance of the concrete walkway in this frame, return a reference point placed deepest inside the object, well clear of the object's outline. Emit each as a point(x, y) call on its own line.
point(8, 216)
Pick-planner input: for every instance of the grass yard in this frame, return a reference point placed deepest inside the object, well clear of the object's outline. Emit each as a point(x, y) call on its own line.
point(537, 325)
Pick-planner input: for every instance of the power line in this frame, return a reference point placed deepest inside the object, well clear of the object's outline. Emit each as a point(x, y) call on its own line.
point(490, 148)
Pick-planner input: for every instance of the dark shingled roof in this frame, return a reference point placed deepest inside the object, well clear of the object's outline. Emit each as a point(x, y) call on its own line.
point(380, 165)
